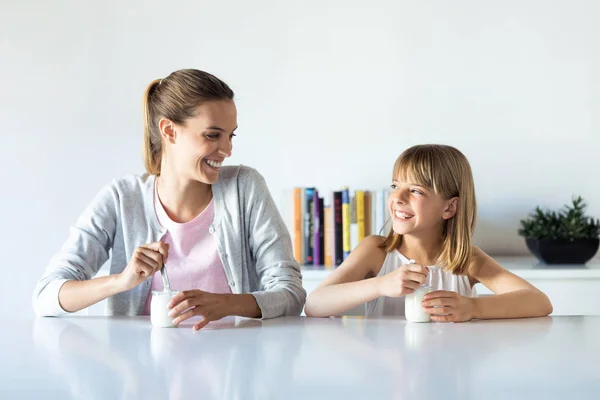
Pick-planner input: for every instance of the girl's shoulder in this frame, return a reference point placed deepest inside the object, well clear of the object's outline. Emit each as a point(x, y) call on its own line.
point(374, 243)
point(373, 253)
point(364, 261)
point(479, 260)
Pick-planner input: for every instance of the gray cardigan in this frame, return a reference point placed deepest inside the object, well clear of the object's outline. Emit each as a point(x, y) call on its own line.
point(253, 242)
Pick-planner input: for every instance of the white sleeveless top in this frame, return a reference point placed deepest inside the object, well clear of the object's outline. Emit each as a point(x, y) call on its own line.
point(440, 280)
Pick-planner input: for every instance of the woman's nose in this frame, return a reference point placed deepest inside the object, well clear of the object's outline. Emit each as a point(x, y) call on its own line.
point(226, 147)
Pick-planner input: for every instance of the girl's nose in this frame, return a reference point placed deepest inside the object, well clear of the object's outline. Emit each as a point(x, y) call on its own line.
point(398, 197)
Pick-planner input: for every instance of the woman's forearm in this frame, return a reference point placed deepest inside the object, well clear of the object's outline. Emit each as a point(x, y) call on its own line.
point(518, 304)
point(335, 299)
point(76, 295)
point(244, 305)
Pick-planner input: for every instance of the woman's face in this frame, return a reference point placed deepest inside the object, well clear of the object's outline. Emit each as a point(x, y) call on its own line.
point(197, 148)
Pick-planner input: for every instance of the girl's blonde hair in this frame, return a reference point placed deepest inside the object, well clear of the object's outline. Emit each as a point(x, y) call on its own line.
point(176, 98)
point(447, 172)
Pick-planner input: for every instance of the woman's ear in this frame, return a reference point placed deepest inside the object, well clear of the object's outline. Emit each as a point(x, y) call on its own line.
point(451, 208)
point(167, 130)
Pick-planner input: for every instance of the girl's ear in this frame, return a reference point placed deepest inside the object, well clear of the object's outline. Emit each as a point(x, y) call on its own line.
point(450, 208)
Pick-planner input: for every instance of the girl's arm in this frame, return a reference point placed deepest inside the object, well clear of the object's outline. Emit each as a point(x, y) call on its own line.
point(514, 297)
point(349, 285)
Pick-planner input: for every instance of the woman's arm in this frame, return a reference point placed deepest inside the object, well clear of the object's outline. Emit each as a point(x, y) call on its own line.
point(347, 286)
point(61, 289)
point(514, 297)
point(269, 239)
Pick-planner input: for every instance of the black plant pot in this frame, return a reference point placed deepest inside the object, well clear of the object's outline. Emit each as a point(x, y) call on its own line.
point(561, 251)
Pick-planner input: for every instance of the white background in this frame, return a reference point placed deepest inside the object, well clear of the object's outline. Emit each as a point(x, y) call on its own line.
point(329, 93)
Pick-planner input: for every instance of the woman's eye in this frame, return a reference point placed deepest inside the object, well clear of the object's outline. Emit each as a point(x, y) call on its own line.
point(213, 136)
point(393, 186)
point(232, 136)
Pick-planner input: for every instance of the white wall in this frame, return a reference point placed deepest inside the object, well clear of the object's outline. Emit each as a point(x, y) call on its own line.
point(329, 93)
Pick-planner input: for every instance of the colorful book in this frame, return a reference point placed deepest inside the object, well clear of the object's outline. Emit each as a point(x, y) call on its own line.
point(317, 249)
point(338, 248)
point(360, 214)
point(367, 211)
point(321, 237)
point(329, 236)
point(346, 222)
point(298, 226)
point(308, 225)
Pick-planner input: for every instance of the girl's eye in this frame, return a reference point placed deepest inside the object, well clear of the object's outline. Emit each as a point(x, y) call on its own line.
point(213, 136)
point(393, 186)
point(417, 191)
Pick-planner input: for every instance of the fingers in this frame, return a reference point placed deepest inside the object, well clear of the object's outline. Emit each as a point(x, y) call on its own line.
point(440, 302)
point(440, 294)
point(440, 310)
point(201, 324)
point(412, 285)
point(415, 277)
point(184, 300)
point(183, 295)
point(144, 265)
point(149, 258)
point(418, 268)
point(444, 318)
point(192, 312)
point(159, 247)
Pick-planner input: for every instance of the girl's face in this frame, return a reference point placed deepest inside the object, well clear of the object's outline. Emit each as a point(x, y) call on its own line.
point(418, 210)
point(197, 148)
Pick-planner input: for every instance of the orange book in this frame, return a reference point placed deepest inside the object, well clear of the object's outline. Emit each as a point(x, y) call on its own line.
point(298, 226)
point(328, 239)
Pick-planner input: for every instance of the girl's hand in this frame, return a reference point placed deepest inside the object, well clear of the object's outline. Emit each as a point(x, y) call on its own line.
point(191, 303)
point(447, 306)
point(403, 280)
point(145, 261)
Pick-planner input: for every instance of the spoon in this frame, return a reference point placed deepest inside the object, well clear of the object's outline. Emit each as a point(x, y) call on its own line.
point(165, 279)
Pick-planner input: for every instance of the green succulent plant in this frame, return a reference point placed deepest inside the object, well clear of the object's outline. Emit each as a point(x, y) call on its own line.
point(569, 223)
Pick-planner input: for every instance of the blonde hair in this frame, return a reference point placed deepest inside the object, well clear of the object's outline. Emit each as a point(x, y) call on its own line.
point(176, 98)
point(447, 172)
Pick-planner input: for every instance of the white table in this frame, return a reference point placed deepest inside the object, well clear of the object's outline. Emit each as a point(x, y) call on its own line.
point(301, 358)
point(573, 289)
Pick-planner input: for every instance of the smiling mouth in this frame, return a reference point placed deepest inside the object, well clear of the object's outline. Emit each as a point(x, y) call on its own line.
point(214, 164)
point(402, 215)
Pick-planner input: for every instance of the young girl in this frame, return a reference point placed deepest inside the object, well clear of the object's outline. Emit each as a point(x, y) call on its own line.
point(215, 228)
point(433, 212)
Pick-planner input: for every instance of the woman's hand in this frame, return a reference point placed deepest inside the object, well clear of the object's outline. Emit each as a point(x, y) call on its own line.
point(145, 261)
point(447, 306)
point(403, 280)
point(191, 303)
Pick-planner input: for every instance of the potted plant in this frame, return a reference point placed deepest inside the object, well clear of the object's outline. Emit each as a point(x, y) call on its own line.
point(566, 236)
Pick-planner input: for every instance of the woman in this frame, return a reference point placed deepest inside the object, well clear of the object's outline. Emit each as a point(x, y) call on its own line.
point(216, 229)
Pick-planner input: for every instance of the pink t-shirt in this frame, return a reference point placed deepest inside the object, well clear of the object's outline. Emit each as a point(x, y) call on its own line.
point(194, 261)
